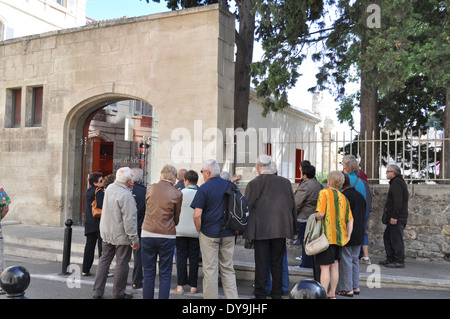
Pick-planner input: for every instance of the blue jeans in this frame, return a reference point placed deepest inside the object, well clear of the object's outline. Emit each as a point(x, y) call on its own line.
point(151, 249)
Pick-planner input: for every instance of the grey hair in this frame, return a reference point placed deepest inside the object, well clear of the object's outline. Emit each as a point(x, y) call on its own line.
point(336, 179)
point(169, 172)
point(273, 168)
point(264, 161)
point(225, 175)
point(212, 166)
point(137, 174)
point(350, 163)
point(395, 168)
point(123, 174)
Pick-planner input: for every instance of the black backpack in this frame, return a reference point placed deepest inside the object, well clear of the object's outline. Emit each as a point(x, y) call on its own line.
point(235, 210)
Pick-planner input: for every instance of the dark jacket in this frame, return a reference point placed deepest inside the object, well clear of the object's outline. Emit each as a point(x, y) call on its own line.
point(139, 192)
point(306, 198)
point(358, 207)
point(92, 224)
point(272, 208)
point(397, 199)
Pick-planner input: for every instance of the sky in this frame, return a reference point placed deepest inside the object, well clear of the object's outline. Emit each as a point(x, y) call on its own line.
point(298, 96)
point(112, 9)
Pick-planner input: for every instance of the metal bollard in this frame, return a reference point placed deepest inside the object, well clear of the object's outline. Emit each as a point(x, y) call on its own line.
point(67, 246)
point(308, 289)
point(14, 281)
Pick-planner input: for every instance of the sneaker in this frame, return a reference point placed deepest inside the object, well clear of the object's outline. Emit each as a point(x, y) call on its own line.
point(299, 258)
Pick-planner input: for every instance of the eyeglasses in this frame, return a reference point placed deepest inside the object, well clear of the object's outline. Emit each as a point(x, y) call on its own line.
point(389, 172)
point(202, 171)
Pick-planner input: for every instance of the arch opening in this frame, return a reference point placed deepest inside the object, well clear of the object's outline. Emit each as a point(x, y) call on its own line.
point(103, 135)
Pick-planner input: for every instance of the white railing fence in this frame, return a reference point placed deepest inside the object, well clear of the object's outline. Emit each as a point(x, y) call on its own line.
point(419, 155)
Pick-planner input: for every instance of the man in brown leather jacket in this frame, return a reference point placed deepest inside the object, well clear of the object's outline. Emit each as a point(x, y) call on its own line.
point(163, 206)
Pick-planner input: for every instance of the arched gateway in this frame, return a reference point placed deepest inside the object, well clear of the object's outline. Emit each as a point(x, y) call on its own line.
point(181, 63)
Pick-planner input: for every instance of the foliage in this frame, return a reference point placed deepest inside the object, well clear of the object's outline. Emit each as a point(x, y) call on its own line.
point(284, 33)
point(411, 53)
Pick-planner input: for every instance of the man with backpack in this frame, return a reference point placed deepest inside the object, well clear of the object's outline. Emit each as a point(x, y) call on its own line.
point(272, 219)
point(216, 243)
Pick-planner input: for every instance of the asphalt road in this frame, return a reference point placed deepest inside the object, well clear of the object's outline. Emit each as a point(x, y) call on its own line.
point(48, 283)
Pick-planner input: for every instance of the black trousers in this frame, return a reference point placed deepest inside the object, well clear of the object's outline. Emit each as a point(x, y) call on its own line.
point(92, 240)
point(269, 250)
point(393, 241)
point(188, 248)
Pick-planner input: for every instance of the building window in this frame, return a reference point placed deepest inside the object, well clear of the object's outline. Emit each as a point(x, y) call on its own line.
point(138, 107)
point(16, 107)
point(37, 106)
point(61, 2)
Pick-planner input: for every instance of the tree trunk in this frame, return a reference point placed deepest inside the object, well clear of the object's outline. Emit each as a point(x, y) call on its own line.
point(244, 57)
point(369, 118)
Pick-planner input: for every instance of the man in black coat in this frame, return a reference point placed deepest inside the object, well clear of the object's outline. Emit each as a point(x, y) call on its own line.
point(272, 219)
point(396, 211)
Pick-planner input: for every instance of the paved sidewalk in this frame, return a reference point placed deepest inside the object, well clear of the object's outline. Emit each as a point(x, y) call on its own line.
point(46, 243)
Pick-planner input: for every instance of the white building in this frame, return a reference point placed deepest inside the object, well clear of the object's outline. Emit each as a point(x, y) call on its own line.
point(288, 136)
point(27, 17)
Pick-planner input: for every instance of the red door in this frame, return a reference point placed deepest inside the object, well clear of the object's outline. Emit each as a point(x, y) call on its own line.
point(298, 159)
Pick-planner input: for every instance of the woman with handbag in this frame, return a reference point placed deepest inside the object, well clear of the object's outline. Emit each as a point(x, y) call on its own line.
point(91, 223)
point(334, 208)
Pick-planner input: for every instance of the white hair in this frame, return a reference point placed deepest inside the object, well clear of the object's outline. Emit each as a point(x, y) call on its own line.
point(123, 175)
point(212, 166)
point(137, 174)
point(395, 168)
point(264, 161)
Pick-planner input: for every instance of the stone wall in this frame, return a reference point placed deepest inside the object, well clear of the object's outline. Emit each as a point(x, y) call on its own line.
point(427, 233)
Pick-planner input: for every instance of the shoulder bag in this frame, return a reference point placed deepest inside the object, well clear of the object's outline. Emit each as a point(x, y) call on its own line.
point(318, 245)
point(96, 212)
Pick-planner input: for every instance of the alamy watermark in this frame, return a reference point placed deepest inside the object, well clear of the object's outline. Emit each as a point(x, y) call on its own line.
point(374, 19)
point(201, 144)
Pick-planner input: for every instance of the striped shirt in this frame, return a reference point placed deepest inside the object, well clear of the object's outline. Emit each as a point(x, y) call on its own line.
point(336, 208)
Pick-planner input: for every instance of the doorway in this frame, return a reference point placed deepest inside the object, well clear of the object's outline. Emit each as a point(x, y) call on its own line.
point(112, 138)
point(299, 154)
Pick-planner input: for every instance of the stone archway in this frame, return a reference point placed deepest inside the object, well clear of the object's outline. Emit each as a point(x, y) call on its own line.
point(79, 144)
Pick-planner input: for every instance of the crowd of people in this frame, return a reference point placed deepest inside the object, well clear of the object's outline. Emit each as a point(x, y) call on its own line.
point(177, 218)
point(345, 206)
